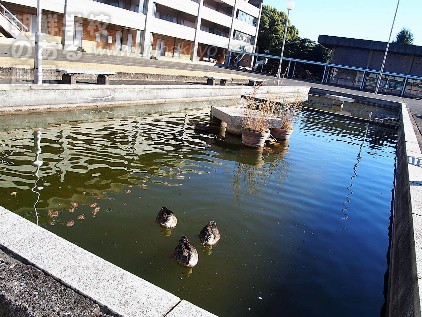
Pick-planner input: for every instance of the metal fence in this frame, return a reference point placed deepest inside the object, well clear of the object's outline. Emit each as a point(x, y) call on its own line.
point(403, 85)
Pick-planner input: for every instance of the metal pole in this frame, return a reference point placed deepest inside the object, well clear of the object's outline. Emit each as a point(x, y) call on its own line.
point(386, 49)
point(323, 76)
point(282, 49)
point(404, 86)
point(362, 83)
point(288, 69)
point(294, 69)
point(38, 47)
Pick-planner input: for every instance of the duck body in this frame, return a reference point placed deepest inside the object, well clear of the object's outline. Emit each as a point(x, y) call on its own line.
point(210, 234)
point(185, 253)
point(166, 218)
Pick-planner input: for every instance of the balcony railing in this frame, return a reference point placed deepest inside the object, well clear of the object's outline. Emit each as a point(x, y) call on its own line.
point(216, 17)
point(244, 27)
point(216, 9)
point(186, 6)
point(248, 8)
point(133, 8)
point(213, 39)
point(172, 29)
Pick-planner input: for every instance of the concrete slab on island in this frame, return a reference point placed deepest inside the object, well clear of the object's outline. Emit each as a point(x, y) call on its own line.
point(235, 116)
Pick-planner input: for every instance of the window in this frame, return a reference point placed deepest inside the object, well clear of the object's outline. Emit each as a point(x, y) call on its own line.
point(242, 16)
point(243, 37)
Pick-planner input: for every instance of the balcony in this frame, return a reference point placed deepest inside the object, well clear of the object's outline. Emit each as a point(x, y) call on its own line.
point(172, 29)
point(244, 27)
point(187, 6)
point(216, 17)
point(126, 5)
point(109, 14)
point(248, 8)
point(229, 2)
point(213, 39)
point(50, 5)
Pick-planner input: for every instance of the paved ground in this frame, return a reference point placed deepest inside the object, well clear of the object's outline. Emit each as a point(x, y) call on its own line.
point(27, 291)
point(125, 64)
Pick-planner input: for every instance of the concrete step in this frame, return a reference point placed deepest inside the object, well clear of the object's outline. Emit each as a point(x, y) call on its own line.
point(6, 51)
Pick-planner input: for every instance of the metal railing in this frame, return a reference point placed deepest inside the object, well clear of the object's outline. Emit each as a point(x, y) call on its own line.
point(359, 78)
point(12, 19)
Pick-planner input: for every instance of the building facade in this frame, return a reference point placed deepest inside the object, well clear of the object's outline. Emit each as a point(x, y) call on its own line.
point(186, 29)
point(359, 62)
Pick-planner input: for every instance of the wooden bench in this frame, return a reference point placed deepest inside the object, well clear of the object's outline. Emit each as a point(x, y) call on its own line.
point(69, 75)
point(255, 82)
point(211, 80)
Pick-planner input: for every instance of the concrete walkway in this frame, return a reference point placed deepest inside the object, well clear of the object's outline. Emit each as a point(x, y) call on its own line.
point(27, 291)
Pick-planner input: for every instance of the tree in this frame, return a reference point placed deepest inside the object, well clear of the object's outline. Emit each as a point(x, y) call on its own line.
point(270, 38)
point(270, 41)
point(271, 29)
point(405, 36)
point(303, 48)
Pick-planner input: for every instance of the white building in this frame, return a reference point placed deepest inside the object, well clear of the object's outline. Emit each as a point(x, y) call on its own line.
point(195, 29)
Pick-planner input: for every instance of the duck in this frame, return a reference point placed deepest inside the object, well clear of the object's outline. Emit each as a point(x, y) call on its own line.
point(209, 235)
point(185, 253)
point(166, 218)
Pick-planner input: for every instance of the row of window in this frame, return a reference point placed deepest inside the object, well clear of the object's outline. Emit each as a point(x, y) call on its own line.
point(240, 36)
point(243, 16)
point(214, 30)
point(170, 18)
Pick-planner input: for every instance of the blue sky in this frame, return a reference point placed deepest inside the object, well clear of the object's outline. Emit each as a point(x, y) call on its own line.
point(364, 19)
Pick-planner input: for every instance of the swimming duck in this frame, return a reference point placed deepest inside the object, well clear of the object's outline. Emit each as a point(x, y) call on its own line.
point(185, 253)
point(209, 235)
point(166, 218)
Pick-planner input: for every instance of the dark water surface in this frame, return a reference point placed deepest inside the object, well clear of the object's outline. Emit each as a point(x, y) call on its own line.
point(304, 227)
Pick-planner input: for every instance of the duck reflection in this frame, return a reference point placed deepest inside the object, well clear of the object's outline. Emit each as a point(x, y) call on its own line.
point(255, 167)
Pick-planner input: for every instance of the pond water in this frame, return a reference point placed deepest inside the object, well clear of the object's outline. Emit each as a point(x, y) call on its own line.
point(374, 112)
point(304, 225)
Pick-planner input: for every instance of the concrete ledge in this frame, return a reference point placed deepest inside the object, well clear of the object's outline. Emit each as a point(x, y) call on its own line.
point(358, 98)
point(185, 309)
point(33, 97)
point(405, 276)
point(119, 291)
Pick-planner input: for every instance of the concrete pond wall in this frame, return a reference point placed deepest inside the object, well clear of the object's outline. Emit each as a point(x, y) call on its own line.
point(39, 97)
point(404, 297)
point(404, 282)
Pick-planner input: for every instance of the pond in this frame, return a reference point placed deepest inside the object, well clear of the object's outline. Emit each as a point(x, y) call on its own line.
point(304, 225)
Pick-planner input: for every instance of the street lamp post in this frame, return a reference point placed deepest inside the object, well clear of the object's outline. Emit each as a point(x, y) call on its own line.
point(386, 50)
point(38, 47)
point(290, 6)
